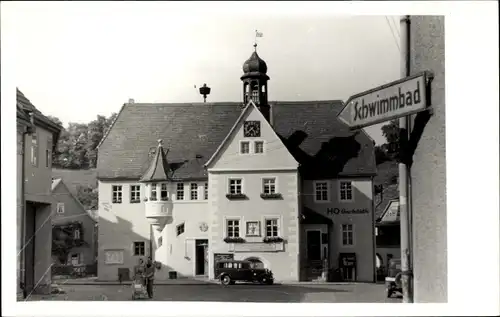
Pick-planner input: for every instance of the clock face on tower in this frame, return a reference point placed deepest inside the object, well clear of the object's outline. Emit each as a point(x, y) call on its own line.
point(251, 129)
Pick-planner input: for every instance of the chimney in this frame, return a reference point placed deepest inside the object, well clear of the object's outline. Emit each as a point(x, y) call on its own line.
point(131, 100)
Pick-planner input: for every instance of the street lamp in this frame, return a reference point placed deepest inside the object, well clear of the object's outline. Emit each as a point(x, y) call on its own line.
point(204, 91)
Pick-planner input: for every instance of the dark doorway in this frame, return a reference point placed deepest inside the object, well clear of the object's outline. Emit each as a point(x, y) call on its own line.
point(313, 245)
point(201, 257)
point(29, 250)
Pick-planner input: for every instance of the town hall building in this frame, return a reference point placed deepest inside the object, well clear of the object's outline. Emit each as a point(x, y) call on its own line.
point(283, 184)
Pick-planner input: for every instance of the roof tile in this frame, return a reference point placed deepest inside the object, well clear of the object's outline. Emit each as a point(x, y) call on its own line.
point(192, 132)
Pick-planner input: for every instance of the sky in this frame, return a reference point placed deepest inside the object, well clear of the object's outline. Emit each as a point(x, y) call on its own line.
point(77, 60)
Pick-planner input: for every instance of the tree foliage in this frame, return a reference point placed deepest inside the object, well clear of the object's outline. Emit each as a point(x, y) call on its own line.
point(77, 145)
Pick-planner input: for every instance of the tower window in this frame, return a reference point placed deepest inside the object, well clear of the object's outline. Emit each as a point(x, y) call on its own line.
point(255, 94)
point(263, 89)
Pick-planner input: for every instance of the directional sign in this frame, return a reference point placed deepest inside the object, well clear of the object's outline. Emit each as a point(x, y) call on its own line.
point(397, 99)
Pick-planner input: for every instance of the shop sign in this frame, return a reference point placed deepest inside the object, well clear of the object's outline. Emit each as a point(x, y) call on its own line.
point(348, 259)
point(343, 211)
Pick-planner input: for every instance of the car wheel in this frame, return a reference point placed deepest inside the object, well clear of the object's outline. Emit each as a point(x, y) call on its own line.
point(225, 280)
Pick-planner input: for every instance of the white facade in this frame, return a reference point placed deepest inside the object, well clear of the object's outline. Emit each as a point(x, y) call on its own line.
point(188, 233)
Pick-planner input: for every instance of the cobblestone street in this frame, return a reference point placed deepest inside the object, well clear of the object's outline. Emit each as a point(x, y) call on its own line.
point(312, 293)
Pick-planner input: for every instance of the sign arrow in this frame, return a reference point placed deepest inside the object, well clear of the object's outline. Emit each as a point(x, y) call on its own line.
point(397, 99)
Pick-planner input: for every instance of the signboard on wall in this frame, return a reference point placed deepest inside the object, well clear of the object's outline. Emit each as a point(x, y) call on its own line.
point(113, 257)
point(347, 259)
point(344, 211)
point(394, 100)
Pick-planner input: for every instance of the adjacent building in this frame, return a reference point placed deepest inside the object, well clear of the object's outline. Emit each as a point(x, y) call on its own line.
point(36, 137)
point(387, 228)
point(73, 246)
point(282, 184)
point(428, 171)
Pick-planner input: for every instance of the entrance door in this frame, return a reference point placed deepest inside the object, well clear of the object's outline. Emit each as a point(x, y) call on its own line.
point(29, 248)
point(201, 257)
point(313, 245)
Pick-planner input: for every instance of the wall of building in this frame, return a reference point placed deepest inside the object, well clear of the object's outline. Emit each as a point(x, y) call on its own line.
point(39, 177)
point(429, 189)
point(19, 204)
point(284, 264)
point(362, 222)
point(177, 252)
point(74, 211)
point(43, 249)
point(120, 225)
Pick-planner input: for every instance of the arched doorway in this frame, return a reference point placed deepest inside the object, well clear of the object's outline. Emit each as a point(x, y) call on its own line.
point(256, 263)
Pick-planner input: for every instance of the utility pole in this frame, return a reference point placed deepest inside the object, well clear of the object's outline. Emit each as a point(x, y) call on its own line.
point(404, 171)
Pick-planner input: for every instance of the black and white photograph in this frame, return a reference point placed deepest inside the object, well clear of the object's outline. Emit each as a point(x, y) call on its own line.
point(233, 158)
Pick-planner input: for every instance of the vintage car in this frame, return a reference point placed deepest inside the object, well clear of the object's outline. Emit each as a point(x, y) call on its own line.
point(231, 271)
point(393, 278)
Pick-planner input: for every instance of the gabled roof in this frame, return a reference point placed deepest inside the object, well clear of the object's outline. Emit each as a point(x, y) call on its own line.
point(247, 109)
point(391, 213)
point(26, 106)
point(310, 130)
point(59, 182)
point(159, 169)
point(389, 193)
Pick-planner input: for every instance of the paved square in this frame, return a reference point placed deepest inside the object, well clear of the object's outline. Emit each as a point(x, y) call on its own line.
point(317, 293)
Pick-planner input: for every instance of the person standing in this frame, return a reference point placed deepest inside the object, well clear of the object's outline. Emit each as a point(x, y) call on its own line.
point(150, 275)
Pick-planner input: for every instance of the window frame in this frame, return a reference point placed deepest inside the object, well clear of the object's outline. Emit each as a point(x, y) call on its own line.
point(233, 226)
point(315, 191)
point(118, 190)
point(179, 188)
point(153, 192)
point(205, 191)
point(255, 146)
point(178, 227)
point(34, 149)
point(48, 153)
point(163, 190)
point(193, 191)
point(135, 191)
point(278, 226)
point(77, 234)
point(241, 147)
point(342, 231)
point(240, 185)
point(60, 206)
point(341, 182)
point(275, 184)
point(136, 245)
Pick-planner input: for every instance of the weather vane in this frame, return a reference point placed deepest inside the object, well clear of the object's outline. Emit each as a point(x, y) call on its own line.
point(257, 34)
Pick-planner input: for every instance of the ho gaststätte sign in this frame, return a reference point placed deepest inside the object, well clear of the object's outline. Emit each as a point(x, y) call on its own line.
point(390, 101)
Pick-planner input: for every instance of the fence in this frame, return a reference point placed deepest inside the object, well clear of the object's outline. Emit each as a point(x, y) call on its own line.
point(75, 270)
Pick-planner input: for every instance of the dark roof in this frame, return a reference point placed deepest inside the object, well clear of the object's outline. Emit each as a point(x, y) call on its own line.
point(192, 133)
point(389, 193)
point(40, 119)
point(323, 145)
point(255, 64)
point(159, 169)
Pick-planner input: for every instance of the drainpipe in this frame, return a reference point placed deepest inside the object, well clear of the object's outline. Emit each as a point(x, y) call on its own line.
point(28, 131)
point(406, 274)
